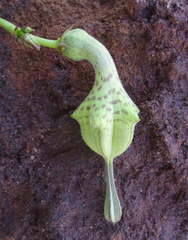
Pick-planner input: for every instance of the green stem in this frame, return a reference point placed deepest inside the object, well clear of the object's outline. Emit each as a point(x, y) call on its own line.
point(26, 37)
point(7, 26)
point(47, 43)
point(112, 207)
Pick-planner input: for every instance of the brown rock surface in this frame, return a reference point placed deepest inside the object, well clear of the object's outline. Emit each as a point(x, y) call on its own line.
point(51, 184)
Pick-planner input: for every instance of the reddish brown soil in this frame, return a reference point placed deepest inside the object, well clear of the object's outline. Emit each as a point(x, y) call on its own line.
point(51, 184)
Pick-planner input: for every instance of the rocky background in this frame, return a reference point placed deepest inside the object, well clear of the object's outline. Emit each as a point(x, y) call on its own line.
point(52, 186)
